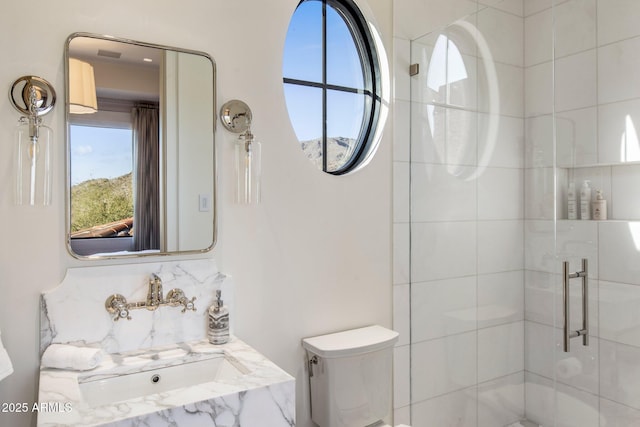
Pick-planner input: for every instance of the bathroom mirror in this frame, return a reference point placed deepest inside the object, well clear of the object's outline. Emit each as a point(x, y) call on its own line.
point(140, 148)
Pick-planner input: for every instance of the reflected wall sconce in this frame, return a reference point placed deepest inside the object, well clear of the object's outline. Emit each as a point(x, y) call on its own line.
point(82, 88)
point(236, 117)
point(33, 97)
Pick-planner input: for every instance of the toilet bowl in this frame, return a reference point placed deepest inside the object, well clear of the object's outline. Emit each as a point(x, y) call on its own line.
point(350, 377)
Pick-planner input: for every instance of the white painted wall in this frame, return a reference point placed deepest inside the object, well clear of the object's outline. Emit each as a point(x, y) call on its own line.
point(315, 257)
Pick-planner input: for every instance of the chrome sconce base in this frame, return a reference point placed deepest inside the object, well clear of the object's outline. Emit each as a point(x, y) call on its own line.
point(32, 96)
point(236, 116)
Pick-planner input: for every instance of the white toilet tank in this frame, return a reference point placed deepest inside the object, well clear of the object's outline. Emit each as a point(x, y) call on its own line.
point(350, 376)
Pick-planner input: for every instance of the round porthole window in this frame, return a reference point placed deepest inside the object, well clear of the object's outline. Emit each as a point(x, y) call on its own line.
point(332, 84)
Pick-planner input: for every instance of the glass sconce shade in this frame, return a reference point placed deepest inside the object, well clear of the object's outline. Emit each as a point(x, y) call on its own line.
point(33, 97)
point(248, 170)
point(33, 173)
point(236, 117)
point(82, 88)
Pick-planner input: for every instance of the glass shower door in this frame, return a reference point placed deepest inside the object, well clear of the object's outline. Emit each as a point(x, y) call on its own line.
point(562, 357)
point(596, 111)
point(467, 221)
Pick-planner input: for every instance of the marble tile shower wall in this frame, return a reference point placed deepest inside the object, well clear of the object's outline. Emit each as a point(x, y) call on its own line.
point(597, 104)
point(459, 222)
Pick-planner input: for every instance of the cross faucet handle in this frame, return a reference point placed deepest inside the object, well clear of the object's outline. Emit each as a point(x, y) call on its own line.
point(176, 297)
point(117, 304)
point(189, 305)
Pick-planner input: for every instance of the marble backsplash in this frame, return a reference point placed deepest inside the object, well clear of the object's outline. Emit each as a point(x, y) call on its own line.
point(74, 312)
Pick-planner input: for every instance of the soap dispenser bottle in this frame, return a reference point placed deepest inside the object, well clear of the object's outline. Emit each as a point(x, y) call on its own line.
point(218, 332)
point(585, 200)
point(599, 206)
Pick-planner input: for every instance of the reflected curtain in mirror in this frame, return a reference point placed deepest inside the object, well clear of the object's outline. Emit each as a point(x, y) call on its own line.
point(147, 177)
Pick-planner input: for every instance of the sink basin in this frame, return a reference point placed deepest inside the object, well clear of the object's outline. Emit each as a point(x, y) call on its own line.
point(189, 383)
point(104, 391)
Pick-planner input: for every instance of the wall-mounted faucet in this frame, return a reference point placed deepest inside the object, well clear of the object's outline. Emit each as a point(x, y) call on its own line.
point(118, 306)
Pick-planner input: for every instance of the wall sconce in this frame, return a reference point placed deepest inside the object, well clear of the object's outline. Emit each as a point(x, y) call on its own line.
point(236, 117)
point(33, 97)
point(82, 88)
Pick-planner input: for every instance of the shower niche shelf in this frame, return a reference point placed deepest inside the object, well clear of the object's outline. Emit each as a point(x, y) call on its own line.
point(614, 179)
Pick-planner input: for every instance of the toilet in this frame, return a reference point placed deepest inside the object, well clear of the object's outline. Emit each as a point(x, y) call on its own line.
point(350, 377)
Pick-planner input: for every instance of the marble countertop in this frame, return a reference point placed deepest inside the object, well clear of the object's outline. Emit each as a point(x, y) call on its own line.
point(62, 402)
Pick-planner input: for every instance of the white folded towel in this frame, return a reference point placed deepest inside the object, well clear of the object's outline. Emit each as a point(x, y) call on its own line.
point(64, 356)
point(6, 368)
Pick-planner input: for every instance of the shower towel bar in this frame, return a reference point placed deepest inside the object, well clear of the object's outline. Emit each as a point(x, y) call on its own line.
point(584, 332)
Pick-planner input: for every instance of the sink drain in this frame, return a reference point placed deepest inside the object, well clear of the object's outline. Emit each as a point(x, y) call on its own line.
point(155, 379)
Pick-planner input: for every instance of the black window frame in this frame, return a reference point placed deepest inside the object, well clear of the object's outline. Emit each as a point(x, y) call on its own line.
point(372, 87)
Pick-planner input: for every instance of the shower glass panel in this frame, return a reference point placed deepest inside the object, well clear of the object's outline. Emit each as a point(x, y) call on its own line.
point(511, 104)
point(467, 222)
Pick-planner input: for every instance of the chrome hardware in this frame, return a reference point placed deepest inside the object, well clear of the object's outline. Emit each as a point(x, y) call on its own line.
point(119, 307)
point(32, 96)
point(312, 361)
point(117, 304)
point(236, 116)
point(176, 297)
point(584, 332)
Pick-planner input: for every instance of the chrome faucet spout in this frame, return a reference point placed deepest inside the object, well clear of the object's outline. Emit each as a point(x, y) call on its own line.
point(155, 295)
point(159, 293)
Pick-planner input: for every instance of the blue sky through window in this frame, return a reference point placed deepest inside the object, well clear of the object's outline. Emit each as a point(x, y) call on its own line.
point(303, 46)
point(343, 62)
point(303, 61)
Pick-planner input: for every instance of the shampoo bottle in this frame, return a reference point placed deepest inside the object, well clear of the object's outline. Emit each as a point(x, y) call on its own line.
point(585, 200)
point(599, 206)
point(572, 202)
point(218, 331)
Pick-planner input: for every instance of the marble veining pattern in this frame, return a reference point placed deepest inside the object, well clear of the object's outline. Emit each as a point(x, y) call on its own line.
point(263, 397)
point(74, 311)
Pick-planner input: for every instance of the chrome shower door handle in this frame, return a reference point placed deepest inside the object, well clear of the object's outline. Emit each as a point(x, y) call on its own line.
point(585, 302)
point(566, 306)
point(584, 332)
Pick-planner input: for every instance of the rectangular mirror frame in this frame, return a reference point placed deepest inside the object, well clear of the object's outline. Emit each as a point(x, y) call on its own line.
point(104, 256)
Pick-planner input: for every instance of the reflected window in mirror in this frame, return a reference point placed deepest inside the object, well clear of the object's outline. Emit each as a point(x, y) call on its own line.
point(102, 183)
point(115, 180)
